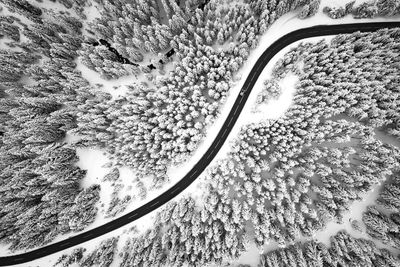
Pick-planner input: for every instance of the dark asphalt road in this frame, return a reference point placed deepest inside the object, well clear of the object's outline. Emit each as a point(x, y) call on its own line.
point(211, 152)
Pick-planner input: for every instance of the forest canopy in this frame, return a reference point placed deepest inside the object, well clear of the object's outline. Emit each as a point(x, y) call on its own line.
point(286, 179)
point(44, 99)
point(283, 180)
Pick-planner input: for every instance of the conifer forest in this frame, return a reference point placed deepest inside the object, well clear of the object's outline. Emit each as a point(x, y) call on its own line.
point(107, 107)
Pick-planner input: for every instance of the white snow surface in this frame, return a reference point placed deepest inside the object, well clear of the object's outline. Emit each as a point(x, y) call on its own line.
point(116, 87)
point(251, 256)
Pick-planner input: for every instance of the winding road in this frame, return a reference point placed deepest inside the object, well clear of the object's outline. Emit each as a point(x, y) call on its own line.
point(268, 54)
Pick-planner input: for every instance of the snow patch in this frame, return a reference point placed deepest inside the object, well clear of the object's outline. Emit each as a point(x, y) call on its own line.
point(116, 87)
point(251, 256)
point(91, 160)
point(275, 108)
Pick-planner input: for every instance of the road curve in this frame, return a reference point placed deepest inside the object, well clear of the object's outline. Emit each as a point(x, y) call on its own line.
point(268, 54)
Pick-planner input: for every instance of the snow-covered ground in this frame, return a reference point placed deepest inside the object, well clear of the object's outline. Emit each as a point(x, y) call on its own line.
point(116, 87)
point(251, 256)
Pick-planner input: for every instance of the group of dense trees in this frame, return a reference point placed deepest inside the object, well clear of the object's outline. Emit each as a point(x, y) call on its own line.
point(44, 97)
point(310, 9)
point(138, 29)
point(40, 192)
point(116, 205)
point(101, 256)
point(24, 8)
point(270, 90)
point(77, 5)
point(344, 250)
point(283, 179)
point(293, 175)
point(368, 9)
point(134, 29)
point(9, 29)
point(289, 177)
point(153, 127)
point(184, 234)
point(382, 221)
